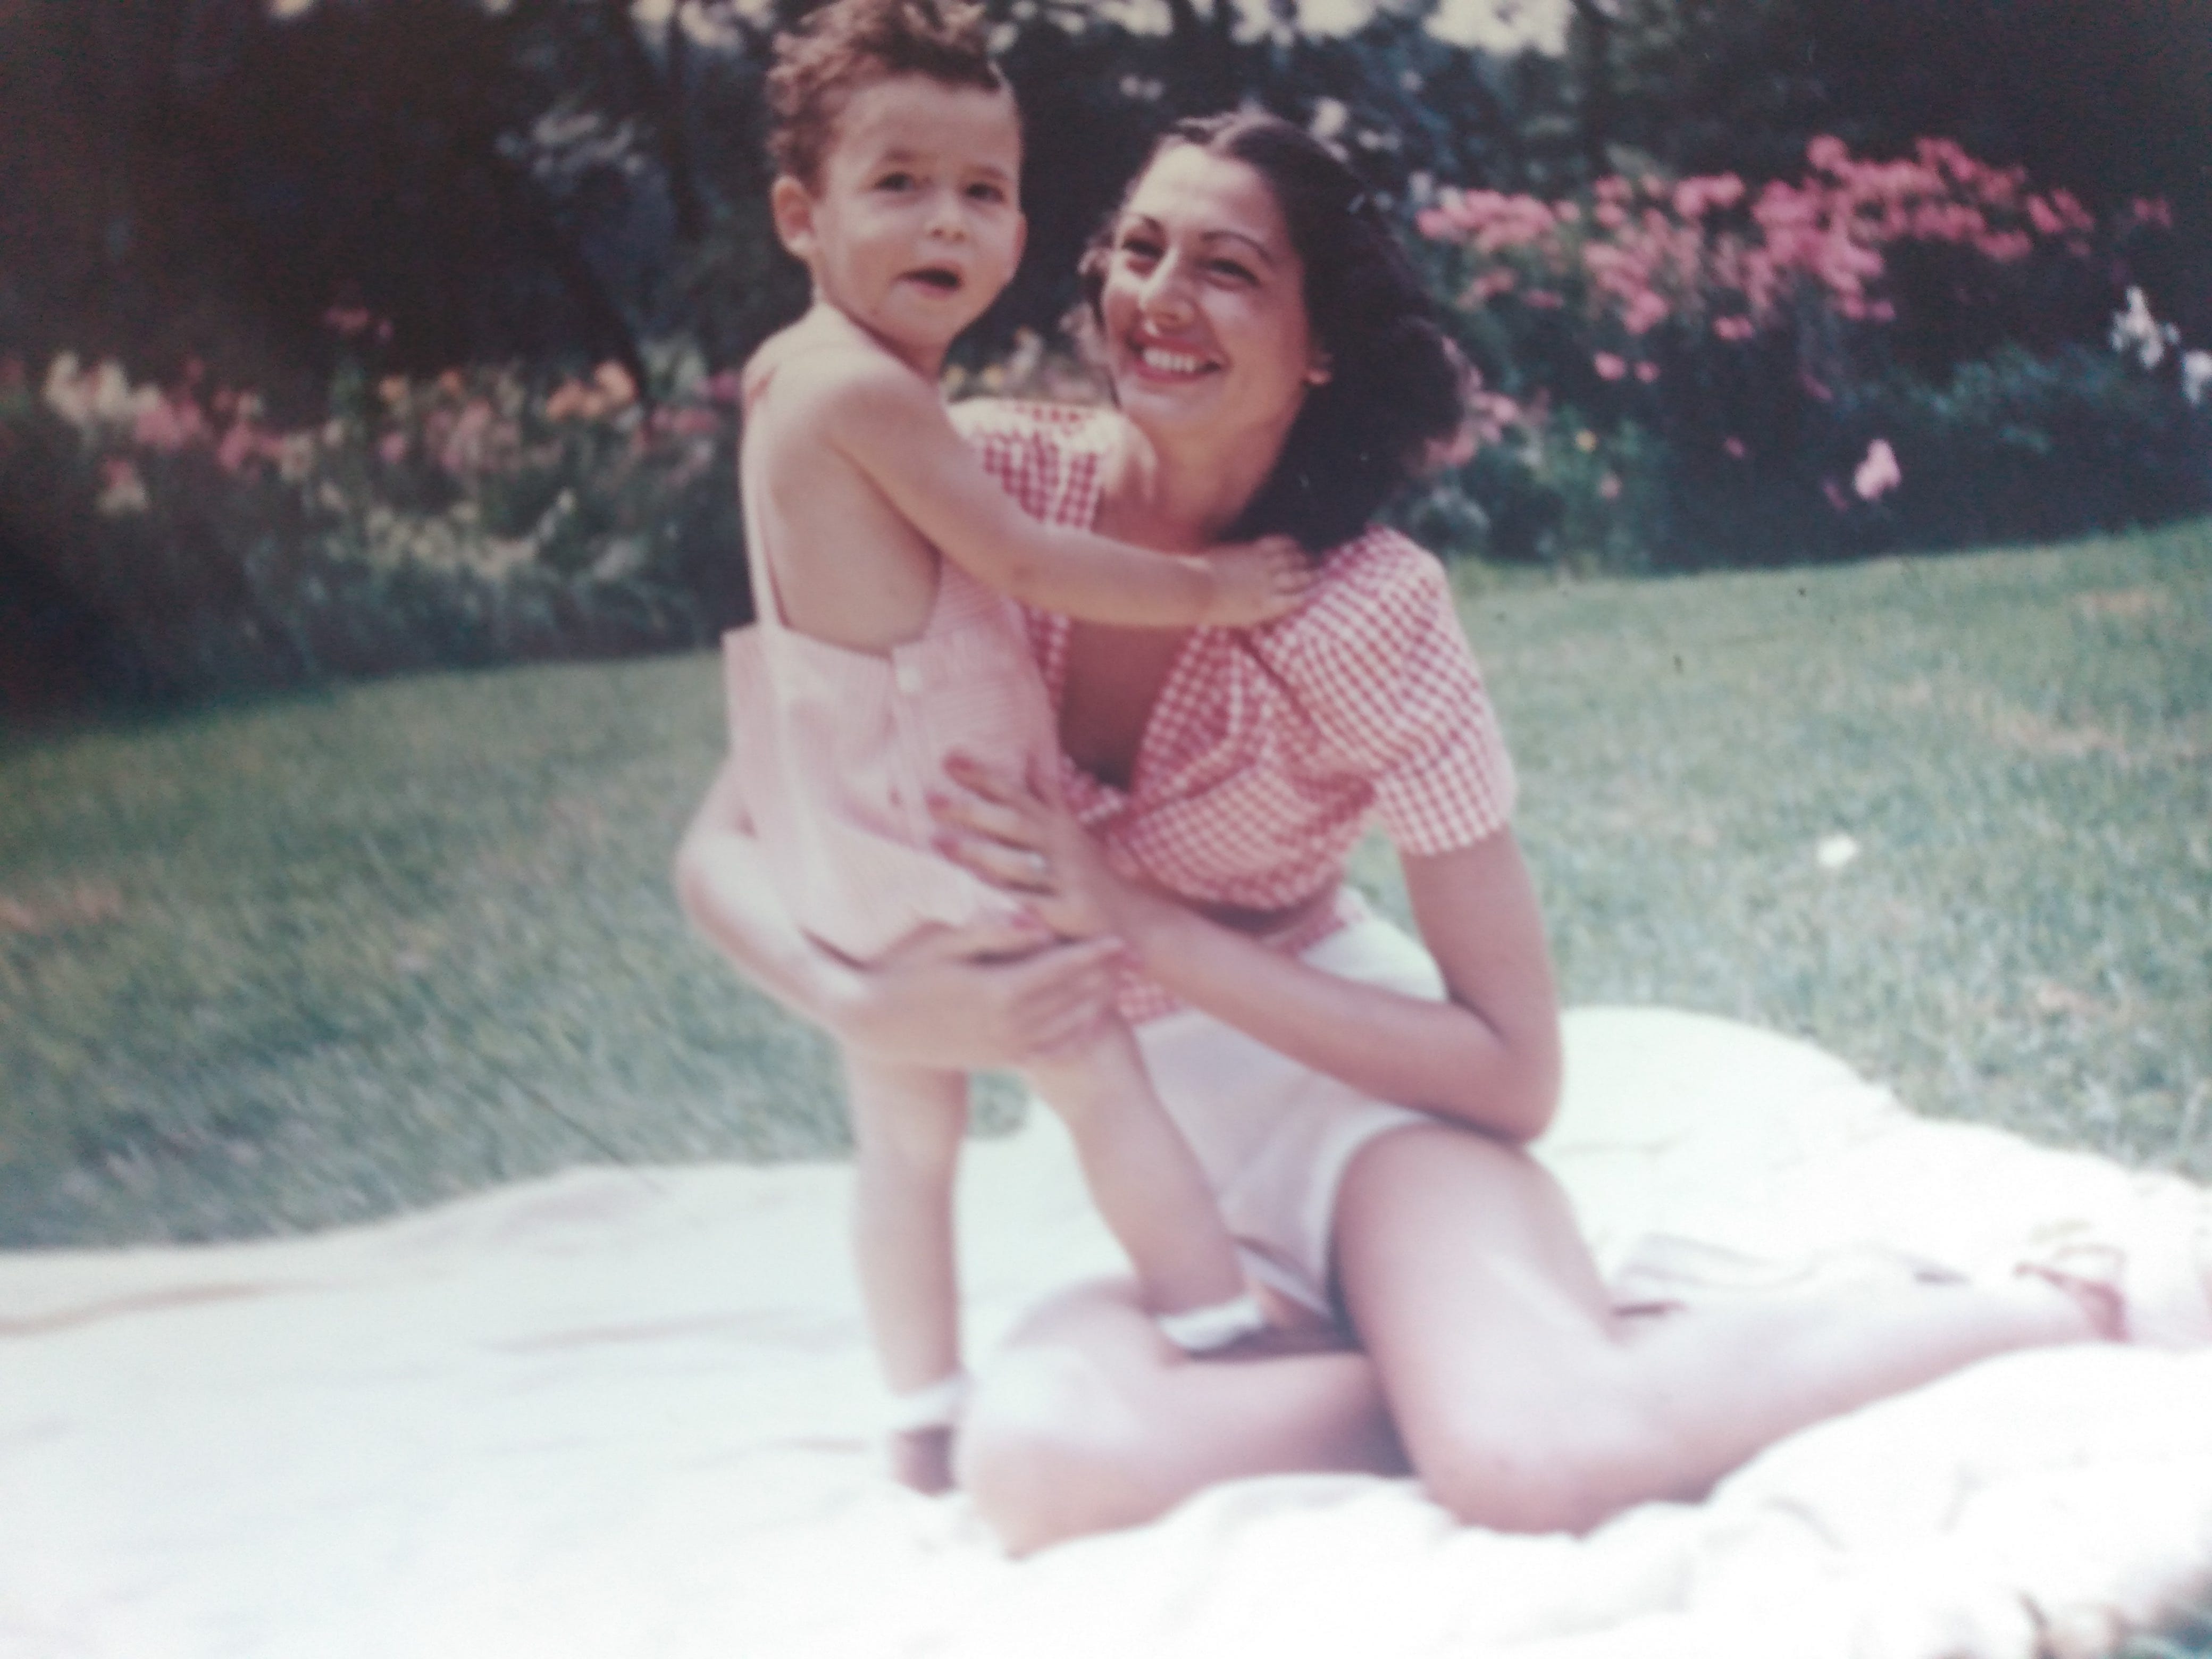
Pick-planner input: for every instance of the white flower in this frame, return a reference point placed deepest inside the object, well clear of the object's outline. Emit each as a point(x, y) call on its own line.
point(1834, 852)
point(2137, 332)
point(2195, 375)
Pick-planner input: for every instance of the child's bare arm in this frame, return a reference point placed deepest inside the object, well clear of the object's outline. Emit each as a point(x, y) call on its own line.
point(891, 425)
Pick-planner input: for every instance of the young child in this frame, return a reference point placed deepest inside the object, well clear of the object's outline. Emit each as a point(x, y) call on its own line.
point(884, 563)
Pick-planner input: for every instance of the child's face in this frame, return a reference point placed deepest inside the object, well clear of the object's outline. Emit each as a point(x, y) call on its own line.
point(914, 227)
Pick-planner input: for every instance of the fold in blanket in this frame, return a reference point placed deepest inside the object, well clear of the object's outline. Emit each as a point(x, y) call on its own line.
point(624, 1412)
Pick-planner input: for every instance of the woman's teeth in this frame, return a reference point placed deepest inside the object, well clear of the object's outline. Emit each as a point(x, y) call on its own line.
point(1171, 362)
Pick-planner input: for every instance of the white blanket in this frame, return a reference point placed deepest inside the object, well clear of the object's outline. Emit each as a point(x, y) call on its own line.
point(619, 1413)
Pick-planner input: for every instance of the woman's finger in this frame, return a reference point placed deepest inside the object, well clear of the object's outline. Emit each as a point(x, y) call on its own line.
point(1008, 936)
point(1017, 869)
point(1072, 978)
point(992, 783)
point(990, 819)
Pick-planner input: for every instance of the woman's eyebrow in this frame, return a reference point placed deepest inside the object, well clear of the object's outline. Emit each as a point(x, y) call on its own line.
point(1252, 242)
point(1146, 221)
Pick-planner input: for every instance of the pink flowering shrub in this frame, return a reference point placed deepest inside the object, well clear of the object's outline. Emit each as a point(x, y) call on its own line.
point(1737, 357)
point(471, 518)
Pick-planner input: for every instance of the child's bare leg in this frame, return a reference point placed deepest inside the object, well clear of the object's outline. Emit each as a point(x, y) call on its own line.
point(908, 1122)
point(1147, 1184)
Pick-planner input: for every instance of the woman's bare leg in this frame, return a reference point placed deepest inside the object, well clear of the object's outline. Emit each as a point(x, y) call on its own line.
point(1524, 1404)
point(1143, 1176)
point(1089, 1419)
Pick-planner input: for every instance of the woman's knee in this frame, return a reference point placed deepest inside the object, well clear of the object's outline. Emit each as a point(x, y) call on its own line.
point(1043, 1451)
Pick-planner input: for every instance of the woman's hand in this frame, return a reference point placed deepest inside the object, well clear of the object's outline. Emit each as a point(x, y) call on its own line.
point(989, 994)
point(1020, 837)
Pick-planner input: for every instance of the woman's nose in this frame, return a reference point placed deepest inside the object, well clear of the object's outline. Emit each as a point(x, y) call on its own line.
point(1166, 292)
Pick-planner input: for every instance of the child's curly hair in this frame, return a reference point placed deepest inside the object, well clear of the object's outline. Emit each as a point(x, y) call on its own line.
point(851, 44)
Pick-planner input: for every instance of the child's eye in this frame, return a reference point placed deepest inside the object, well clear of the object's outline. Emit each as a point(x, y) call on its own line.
point(895, 181)
point(986, 193)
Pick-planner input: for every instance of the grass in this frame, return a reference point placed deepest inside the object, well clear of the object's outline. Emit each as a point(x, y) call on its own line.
point(278, 966)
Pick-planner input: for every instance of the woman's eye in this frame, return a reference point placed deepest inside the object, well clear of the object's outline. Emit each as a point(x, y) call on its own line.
point(1229, 269)
point(1138, 247)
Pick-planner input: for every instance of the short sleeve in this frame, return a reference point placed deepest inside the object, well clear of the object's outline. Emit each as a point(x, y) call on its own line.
point(1386, 675)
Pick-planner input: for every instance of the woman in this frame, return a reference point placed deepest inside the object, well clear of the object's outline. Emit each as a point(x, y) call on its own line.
point(1360, 1103)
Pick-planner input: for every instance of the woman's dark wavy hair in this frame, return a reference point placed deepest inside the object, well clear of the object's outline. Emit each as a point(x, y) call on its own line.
point(1395, 391)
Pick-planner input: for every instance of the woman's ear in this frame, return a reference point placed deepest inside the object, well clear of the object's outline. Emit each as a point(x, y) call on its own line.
point(792, 209)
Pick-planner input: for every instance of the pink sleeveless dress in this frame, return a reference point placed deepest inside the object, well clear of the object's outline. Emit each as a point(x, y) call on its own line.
point(837, 748)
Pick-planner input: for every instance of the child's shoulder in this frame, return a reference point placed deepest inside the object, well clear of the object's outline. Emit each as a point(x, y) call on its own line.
point(821, 369)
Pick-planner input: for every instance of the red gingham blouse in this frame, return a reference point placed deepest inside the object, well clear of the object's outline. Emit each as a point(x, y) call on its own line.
point(1269, 748)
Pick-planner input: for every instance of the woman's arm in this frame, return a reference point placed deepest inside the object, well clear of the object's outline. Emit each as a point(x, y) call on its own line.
point(1488, 1055)
point(966, 999)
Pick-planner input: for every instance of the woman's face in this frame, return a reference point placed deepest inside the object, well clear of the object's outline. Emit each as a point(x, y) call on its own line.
point(1203, 306)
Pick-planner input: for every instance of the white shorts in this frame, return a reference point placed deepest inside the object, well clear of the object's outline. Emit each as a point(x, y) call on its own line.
point(1273, 1136)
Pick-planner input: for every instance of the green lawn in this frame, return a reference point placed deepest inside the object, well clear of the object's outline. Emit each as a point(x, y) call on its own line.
point(275, 966)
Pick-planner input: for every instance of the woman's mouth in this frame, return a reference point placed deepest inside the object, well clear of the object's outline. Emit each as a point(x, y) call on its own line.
point(1168, 363)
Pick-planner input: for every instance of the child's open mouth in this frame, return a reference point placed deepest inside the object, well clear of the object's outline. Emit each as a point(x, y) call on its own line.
point(944, 281)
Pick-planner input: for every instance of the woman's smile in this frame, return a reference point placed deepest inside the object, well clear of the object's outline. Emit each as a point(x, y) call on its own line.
point(1158, 360)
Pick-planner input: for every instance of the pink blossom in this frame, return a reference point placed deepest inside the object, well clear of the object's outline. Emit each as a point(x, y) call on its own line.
point(612, 380)
point(725, 388)
point(1735, 328)
point(1543, 299)
point(1734, 448)
point(346, 321)
point(1609, 367)
point(122, 491)
point(240, 445)
point(1647, 372)
point(2152, 210)
point(1611, 214)
point(1644, 312)
point(464, 450)
point(1815, 387)
point(391, 448)
point(1608, 487)
point(1828, 154)
point(167, 425)
point(1837, 498)
point(1488, 286)
point(1878, 474)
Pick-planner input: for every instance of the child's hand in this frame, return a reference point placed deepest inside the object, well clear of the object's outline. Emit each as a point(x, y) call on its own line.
point(1257, 582)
